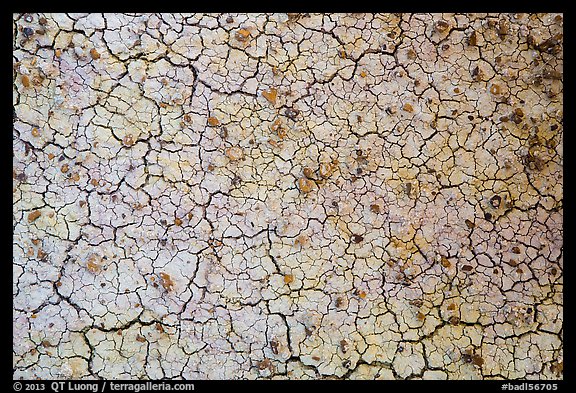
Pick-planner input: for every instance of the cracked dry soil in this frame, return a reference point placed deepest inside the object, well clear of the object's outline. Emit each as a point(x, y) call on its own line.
point(217, 196)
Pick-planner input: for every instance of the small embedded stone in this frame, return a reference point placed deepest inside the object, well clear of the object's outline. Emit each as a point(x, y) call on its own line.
point(291, 113)
point(305, 185)
point(309, 173)
point(25, 80)
point(270, 95)
point(516, 250)
point(212, 121)
point(445, 262)
point(357, 238)
point(477, 360)
point(288, 278)
point(33, 216)
point(242, 35)
point(495, 201)
point(94, 54)
point(408, 108)
point(234, 153)
point(265, 364)
point(128, 140)
point(472, 39)
point(441, 26)
point(28, 31)
point(92, 266)
point(495, 89)
point(344, 346)
point(166, 281)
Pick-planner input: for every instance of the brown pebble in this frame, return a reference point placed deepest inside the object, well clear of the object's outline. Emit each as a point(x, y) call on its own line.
point(64, 168)
point(469, 224)
point(94, 54)
point(242, 35)
point(495, 201)
point(177, 221)
point(92, 265)
point(441, 26)
point(495, 89)
point(477, 360)
point(288, 278)
point(33, 216)
point(467, 268)
point(445, 262)
point(35, 132)
point(473, 39)
point(305, 185)
point(375, 208)
point(503, 28)
point(25, 81)
point(309, 173)
point(212, 121)
point(140, 338)
point(270, 95)
point(452, 307)
point(344, 346)
point(516, 250)
point(408, 108)
point(357, 238)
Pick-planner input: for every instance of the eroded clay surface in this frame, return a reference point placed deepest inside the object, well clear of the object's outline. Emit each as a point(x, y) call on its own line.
point(288, 196)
